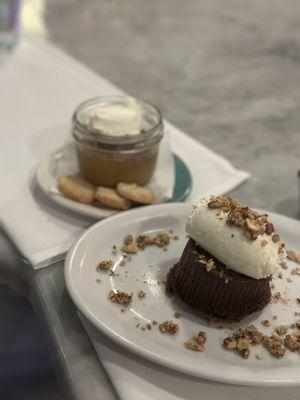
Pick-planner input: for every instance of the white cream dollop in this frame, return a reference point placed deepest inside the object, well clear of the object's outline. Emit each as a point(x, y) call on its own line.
point(230, 245)
point(116, 119)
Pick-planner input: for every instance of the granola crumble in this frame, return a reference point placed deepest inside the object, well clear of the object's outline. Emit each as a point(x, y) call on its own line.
point(120, 297)
point(104, 265)
point(130, 248)
point(168, 327)
point(293, 341)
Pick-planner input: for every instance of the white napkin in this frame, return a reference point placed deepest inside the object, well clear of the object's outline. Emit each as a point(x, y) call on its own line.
point(40, 88)
point(135, 378)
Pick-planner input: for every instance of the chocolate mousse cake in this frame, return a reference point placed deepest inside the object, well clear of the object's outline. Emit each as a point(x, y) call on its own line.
point(225, 270)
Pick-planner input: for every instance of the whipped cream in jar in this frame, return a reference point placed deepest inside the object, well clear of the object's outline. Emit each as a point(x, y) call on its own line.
point(117, 140)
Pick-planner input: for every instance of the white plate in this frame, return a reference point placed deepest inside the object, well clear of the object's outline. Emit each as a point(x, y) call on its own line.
point(143, 272)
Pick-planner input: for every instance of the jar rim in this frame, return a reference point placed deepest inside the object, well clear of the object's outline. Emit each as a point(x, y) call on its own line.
point(90, 135)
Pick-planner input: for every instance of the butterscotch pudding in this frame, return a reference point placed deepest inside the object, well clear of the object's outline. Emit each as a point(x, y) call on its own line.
point(225, 270)
point(117, 140)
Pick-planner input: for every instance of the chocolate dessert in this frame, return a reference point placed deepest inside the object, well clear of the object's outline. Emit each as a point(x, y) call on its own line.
point(227, 263)
point(213, 290)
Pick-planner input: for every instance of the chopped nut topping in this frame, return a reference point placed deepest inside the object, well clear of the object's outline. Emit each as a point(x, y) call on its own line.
point(197, 343)
point(293, 256)
point(120, 297)
point(292, 342)
point(141, 294)
point(168, 327)
point(283, 264)
point(128, 239)
point(274, 345)
point(240, 216)
point(130, 248)
point(275, 238)
point(104, 265)
point(177, 314)
point(295, 271)
point(229, 343)
point(161, 239)
point(265, 322)
point(281, 330)
point(208, 263)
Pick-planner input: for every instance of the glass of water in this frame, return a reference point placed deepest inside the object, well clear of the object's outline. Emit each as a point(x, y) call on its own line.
point(9, 23)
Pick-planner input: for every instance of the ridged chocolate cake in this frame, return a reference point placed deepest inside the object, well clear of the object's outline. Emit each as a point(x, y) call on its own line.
point(218, 293)
point(227, 264)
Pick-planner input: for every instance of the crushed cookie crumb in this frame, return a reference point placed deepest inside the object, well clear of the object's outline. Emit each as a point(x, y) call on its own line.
point(298, 300)
point(177, 314)
point(154, 322)
point(293, 256)
point(280, 276)
point(141, 294)
point(175, 237)
point(104, 265)
point(265, 322)
point(120, 297)
point(275, 317)
point(263, 243)
point(148, 326)
point(168, 327)
point(123, 310)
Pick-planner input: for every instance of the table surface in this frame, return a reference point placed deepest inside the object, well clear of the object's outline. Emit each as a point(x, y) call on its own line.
point(228, 74)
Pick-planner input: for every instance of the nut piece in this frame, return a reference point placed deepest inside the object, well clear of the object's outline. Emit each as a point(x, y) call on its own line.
point(168, 327)
point(120, 297)
point(197, 343)
point(293, 256)
point(292, 342)
point(110, 198)
point(104, 265)
point(135, 193)
point(130, 248)
point(281, 330)
point(274, 345)
point(141, 294)
point(229, 343)
point(76, 189)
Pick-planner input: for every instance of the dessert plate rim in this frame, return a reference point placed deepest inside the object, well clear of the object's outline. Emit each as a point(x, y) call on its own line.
point(232, 374)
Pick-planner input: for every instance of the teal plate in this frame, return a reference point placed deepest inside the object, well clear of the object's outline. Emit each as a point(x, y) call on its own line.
point(183, 181)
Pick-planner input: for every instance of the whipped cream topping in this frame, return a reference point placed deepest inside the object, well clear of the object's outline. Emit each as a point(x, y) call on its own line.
point(258, 258)
point(115, 119)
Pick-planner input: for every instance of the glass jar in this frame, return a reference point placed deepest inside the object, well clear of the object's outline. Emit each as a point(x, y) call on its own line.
point(106, 160)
